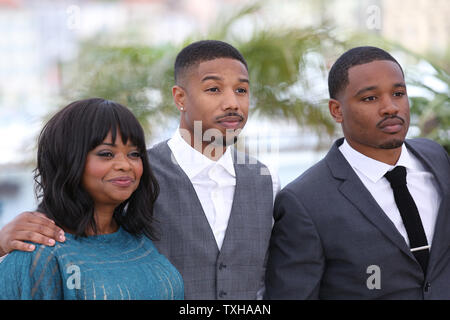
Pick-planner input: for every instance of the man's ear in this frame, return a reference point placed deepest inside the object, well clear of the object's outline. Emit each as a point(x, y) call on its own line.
point(335, 110)
point(179, 95)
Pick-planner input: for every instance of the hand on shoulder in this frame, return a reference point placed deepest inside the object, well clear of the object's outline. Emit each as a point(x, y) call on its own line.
point(29, 226)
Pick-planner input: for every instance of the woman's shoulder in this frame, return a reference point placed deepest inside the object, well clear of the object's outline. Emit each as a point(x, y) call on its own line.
point(38, 260)
point(31, 275)
point(24, 259)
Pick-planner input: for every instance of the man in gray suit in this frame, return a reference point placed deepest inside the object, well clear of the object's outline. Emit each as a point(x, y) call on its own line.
point(215, 204)
point(214, 210)
point(341, 229)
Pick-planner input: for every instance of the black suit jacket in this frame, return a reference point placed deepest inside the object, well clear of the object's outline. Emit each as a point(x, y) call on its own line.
point(329, 233)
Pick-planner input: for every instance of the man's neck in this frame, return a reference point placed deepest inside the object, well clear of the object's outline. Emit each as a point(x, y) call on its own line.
point(210, 150)
point(388, 156)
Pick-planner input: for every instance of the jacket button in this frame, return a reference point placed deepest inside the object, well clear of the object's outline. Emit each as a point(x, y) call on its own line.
point(222, 266)
point(427, 287)
point(222, 294)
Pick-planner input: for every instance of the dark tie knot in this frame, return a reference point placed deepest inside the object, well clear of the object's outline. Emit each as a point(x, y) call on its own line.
point(397, 176)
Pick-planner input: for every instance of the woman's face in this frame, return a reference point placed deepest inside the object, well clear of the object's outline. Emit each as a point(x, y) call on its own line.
point(112, 171)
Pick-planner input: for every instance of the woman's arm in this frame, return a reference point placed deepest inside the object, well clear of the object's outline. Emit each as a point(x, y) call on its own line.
point(31, 276)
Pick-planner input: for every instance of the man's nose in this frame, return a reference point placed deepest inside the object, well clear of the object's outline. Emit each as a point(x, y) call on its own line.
point(230, 101)
point(388, 106)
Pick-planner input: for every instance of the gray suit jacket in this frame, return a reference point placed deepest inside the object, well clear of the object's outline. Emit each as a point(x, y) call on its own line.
point(331, 240)
point(186, 239)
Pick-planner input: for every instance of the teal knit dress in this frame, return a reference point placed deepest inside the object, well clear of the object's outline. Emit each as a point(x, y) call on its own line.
point(116, 266)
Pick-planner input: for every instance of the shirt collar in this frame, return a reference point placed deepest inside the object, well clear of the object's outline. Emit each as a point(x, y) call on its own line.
point(193, 162)
point(371, 168)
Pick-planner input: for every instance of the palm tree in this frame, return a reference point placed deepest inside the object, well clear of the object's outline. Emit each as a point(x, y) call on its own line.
point(141, 77)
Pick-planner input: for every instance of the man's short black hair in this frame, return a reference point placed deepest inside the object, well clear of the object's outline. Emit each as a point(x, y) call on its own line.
point(338, 75)
point(204, 50)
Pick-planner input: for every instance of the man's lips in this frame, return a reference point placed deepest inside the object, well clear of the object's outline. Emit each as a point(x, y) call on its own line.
point(122, 181)
point(230, 122)
point(391, 124)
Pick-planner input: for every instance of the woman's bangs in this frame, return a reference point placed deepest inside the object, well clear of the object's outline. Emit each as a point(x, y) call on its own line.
point(130, 129)
point(118, 120)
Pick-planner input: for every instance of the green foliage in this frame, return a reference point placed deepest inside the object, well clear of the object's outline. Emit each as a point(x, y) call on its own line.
point(141, 77)
point(276, 59)
point(433, 114)
point(138, 77)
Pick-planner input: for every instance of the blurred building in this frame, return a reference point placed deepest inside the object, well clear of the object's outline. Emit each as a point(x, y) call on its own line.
point(420, 25)
point(37, 36)
point(16, 191)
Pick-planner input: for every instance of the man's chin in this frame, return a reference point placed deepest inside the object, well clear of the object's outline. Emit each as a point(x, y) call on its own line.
point(228, 138)
point(392, 144)
point(225, 141)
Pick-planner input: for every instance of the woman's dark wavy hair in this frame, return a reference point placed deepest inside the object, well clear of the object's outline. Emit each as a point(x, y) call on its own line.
point(63, 146)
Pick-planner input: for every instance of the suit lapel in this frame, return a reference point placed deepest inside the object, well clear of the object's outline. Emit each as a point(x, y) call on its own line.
point(441, 237)
point(240, 189)
point(354, 190)
point(199, 213)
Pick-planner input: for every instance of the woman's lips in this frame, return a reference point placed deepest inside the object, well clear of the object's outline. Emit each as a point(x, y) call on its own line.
point(122, 181)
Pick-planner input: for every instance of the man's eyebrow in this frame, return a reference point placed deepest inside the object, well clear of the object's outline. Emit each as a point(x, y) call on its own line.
point(396, 85)
point(211, 78)
point(400, 84)
point(217, 78)
point(364, 90)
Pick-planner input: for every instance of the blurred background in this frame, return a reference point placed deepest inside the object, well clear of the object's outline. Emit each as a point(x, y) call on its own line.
point(55, 51)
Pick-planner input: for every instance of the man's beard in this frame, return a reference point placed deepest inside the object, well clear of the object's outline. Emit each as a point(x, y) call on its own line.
point(393, 144)
point(227, 140)
point(397, 143)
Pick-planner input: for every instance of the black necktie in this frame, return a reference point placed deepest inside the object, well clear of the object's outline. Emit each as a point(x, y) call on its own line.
point(410, 215)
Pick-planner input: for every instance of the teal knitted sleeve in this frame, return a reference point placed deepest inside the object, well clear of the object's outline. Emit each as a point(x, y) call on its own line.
point(29, 276)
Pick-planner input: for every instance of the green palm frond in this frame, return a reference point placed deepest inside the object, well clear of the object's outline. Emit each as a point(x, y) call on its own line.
point(141, 77)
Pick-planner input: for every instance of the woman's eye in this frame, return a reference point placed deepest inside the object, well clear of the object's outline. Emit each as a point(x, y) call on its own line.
point(399, 94)
point(135, 154)
point(105, 154)
point(241, 90)
point(213, 89)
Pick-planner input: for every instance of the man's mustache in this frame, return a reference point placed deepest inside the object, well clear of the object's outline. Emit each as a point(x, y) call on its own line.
point(380, 123)
point(230, 114)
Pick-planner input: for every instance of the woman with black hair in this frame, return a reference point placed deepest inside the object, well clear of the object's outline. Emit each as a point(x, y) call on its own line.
point(94, 180)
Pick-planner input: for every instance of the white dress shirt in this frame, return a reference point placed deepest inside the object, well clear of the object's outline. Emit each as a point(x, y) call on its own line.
point(213, 181)
point(421, 184)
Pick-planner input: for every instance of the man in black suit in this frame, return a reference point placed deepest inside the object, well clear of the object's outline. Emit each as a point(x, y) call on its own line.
point(353, 226)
